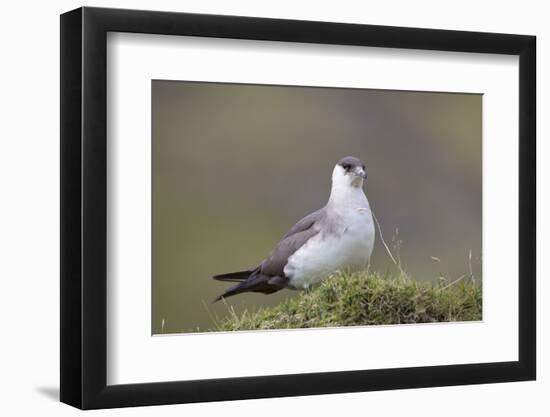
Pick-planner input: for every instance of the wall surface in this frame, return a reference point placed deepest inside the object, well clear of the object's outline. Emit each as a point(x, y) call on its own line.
point(29, 175)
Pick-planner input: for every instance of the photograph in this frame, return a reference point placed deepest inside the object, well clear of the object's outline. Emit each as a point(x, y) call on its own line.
point(291, 207)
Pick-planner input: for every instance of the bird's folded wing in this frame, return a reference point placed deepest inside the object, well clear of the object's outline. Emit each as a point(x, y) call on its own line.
point(295, 238)
point(306, 223)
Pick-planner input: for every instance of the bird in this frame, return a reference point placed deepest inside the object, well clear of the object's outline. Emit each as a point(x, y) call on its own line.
point(340, 236)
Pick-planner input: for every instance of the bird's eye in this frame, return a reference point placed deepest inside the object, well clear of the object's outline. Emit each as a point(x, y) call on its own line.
point(346, 167)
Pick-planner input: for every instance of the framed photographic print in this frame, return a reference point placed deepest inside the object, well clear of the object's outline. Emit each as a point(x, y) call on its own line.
point(258, 208)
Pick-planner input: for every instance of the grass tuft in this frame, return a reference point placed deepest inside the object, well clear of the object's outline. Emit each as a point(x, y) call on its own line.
point(366, 298)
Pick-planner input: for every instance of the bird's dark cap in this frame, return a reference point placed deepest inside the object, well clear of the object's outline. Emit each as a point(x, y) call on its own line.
point(350, 162)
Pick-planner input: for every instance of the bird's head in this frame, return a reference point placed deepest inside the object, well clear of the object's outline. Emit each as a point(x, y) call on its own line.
point(349, 171)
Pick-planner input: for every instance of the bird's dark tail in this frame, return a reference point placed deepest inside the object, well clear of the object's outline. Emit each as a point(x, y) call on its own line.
point(247, 281)
point(233, 276)
point(236, 289)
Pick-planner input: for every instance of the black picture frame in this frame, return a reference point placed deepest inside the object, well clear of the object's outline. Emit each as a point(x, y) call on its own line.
point(84, 207)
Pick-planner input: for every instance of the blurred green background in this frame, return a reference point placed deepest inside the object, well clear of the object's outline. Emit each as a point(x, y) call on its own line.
point(235, 166)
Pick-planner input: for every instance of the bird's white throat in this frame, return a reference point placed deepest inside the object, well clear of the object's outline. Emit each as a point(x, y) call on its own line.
point(347, 190)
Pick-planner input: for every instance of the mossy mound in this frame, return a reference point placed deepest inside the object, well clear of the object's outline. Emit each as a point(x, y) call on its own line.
point(362, 299)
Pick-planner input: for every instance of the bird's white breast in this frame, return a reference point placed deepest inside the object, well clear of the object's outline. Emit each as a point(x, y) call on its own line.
point(347, 246)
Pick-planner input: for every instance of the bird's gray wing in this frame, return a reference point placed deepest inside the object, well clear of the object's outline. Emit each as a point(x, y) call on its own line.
point(306, 223)
point(295, 238)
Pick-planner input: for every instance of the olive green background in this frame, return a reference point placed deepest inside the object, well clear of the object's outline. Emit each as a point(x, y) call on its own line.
point(235, 166)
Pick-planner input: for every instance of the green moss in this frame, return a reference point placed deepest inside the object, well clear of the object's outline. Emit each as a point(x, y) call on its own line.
point(361, 299)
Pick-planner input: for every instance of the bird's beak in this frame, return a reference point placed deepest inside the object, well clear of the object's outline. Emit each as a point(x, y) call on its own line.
point(360, 172)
